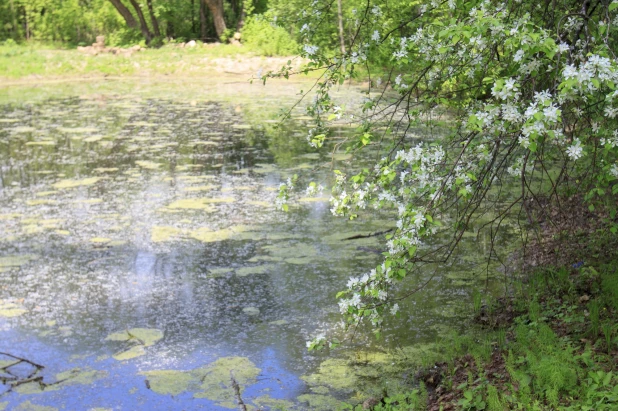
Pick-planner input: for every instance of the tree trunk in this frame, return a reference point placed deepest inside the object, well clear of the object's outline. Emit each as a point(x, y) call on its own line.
point(216, 9)
point(241, 18)
point(202, 20)
point(14, 30)
point(125, 13)
point(153, 19)
point(142, 21)
point(340, 18)
point(27, 26)
point(193, 16)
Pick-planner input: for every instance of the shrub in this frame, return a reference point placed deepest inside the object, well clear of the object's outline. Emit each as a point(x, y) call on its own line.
point(266, 38)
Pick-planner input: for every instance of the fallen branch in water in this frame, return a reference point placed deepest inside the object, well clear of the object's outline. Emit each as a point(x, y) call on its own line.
point(20, 360)
point(377, 233)
point(38, 379)
point(241, 404)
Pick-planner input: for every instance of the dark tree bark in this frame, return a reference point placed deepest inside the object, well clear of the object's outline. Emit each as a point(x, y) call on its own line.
point(203, 20)
point(125, 13)
point(216, 9)
point(153, 19)
point(142, 21)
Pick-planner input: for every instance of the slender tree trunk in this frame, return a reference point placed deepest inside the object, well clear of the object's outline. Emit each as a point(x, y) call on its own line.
point(241, 18)
point(170, 29)
point(14, 19)
point(202, 20)
point(142, 21)
point(125, 13)
point(153, 19)
point(27, 25)
point(216, 9)
point(193, 17)
point(340, 18)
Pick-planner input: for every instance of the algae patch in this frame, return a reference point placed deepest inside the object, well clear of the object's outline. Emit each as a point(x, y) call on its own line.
point(266, 401)
point(62, 184)
point(139, 338)
point(10, 310)
point(170, 382)
point(192, 204)
point(28, 406)
point(260, 269)
point(238, 232)
point(164, 233)
point(148, 165)
point(251, 311)
point(12, 261)
point(212, 382)
point(320, 402)
point(146, 336)
point(75, 376)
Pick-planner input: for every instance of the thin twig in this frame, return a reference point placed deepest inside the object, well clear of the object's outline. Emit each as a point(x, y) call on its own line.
point(241, 404)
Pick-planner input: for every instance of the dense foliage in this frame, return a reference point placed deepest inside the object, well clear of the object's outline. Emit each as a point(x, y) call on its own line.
point(529, 91)
point(80, 21)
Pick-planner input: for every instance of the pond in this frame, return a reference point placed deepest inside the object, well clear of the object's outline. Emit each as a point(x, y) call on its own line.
point(143, 264)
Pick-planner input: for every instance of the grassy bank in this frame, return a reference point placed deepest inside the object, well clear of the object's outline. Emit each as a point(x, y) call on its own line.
point(551, 345)
point(39, 61)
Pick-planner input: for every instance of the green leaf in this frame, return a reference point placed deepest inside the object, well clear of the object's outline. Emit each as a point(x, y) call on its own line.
point(607, 379)
point(613, 6)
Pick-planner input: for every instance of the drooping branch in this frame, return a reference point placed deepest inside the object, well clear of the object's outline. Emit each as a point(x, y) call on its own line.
point(125, 13)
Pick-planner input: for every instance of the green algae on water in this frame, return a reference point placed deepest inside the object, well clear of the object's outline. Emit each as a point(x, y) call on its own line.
point(133, 352)
point(10, 310)
point(260, 269)
point(28, 406)
point(65, 184)
point(16, 260)
point(212, 382)
point(192, 204)
point(75, 376)
point(164, 233)
point(251, 311)
point(170, 382)
point(145, 336)
point(141, 337)
point(320, 402)
point(148, 165)
point(266, 401)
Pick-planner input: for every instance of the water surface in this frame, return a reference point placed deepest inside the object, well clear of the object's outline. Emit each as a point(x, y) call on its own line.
point(128, 209)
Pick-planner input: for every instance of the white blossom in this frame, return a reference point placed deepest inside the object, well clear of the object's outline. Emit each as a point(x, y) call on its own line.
point(575, 151)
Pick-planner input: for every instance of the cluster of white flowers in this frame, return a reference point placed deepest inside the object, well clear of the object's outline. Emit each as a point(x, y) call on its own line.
point(314, 189)
point(575, 150)
point(310, 50)
point(518, 118)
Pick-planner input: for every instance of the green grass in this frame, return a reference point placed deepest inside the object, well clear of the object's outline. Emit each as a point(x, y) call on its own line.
point(20, 61)
point(558, 352)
